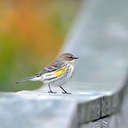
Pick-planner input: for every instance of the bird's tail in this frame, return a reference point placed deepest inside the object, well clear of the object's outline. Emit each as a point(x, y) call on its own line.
point(33, 78)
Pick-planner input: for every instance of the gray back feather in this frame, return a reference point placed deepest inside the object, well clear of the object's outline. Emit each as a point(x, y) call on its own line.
point(54, 66)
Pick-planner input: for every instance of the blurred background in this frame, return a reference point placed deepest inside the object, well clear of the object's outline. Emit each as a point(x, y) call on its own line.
point(32, 33)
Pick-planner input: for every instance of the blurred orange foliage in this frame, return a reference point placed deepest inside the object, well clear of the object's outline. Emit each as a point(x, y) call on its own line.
point(31, 34)
point(33, 21)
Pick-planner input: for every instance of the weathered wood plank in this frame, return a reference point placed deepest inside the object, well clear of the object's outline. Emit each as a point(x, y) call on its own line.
point(99, 38)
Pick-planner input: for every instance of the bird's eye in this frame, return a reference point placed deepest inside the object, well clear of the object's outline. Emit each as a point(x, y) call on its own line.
point(70, 56)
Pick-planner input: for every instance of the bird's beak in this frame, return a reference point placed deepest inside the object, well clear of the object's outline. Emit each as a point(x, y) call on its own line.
point(75, 58)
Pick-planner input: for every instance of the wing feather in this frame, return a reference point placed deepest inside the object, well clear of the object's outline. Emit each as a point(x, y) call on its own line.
point(54, 66)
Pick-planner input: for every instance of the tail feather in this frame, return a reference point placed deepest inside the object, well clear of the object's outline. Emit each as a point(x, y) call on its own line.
point(33, 78)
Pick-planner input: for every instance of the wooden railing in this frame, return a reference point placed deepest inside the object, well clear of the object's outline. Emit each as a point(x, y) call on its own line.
point(99, 38)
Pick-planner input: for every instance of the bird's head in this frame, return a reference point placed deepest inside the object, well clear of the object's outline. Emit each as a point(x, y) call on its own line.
point(68, 57)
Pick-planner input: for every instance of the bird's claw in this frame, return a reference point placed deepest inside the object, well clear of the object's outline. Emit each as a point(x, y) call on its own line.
point(66, 92)
point(52, 92)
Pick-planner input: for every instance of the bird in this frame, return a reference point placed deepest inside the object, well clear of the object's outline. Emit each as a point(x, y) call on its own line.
point(56, 73)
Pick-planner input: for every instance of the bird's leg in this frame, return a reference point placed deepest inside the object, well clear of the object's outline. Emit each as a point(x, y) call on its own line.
point(50, 90)
point(64, 91)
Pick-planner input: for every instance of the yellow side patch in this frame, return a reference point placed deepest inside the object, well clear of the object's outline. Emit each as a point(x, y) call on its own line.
point(60, 72)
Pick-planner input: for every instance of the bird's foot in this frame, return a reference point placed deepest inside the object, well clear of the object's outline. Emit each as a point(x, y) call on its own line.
point(65, 92)
point(52, 92)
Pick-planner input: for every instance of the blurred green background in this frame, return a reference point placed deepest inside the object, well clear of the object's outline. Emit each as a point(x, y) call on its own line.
point(31, 35)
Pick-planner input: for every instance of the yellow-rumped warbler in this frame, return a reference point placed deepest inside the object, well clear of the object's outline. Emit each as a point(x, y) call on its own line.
point(56, 73)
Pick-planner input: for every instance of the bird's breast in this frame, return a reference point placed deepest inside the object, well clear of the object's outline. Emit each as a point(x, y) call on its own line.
point(70, 69)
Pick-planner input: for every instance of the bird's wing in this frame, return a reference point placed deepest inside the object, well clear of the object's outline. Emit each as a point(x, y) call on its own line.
point(54, 66)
